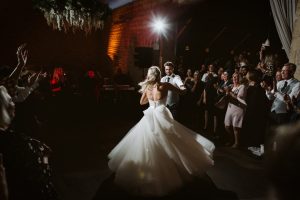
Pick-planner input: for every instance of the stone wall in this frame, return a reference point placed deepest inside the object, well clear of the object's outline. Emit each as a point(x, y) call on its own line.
point(294, 56)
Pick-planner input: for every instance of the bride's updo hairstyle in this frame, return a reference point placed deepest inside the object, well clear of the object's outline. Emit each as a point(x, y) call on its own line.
point(153, 76)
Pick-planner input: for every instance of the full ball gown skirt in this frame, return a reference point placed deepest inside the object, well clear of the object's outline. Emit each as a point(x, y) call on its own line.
point(158, 155)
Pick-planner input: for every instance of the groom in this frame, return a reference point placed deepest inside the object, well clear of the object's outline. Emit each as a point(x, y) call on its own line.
point(173, 97)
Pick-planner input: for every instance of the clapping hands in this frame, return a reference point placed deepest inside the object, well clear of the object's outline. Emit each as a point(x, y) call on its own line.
point(36, 77)
point(227, 90)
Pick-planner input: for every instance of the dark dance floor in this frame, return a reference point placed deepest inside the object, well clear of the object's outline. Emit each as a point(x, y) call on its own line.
point(82, 133)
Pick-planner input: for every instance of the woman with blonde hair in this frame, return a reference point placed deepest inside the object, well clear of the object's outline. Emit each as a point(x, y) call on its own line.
point(235, 109)
point(158, 155)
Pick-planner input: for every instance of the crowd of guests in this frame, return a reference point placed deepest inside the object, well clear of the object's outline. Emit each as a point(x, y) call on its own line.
point(25, 95)
point(257, 105)
point(239, 104)
point(25, 171)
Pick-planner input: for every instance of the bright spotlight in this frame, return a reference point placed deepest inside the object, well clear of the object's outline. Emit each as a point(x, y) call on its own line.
point(159, 25)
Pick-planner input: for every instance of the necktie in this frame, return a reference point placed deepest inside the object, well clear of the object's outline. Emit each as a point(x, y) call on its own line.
point(284, 87)
point(168, 79)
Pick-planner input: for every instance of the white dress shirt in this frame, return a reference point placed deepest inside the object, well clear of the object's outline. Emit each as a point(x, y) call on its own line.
point(173, 97)
point(203, 79)
point(292, 89)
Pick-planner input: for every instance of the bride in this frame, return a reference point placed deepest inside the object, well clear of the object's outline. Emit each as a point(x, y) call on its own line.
point(158, 155)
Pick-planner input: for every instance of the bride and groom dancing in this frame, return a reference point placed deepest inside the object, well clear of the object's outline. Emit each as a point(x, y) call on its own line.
point(159, 155)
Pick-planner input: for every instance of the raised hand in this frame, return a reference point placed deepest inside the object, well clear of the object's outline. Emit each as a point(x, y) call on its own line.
point(227, 89)
point(36, 77)
point(22, 60)
point(21, 47)
point(22, 53)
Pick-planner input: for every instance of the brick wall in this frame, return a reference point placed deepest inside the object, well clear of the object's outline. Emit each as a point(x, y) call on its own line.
point(130, 29)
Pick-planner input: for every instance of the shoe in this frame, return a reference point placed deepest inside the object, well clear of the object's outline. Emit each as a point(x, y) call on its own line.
point(256, 151)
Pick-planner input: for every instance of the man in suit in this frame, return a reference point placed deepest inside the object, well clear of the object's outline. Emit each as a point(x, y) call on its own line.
point(173, 97)
point(288, 86)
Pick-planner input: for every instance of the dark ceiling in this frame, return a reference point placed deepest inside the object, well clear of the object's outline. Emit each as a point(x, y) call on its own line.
point(216, 24)
point(228, 25)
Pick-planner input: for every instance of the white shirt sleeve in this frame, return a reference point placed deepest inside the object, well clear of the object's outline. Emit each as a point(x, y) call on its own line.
point(295, 90)
point(203, 79)
point(270, 95)
point(242, 92)
point(178, 82)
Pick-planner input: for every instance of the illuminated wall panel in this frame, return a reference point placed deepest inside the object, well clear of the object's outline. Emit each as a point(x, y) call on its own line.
point(114, 40)
point(130, 29)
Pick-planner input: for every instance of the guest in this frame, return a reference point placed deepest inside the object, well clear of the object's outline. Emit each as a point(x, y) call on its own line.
point(209, 100)
point(211, 70)
point(11, 81)
point(235, 110)
point(25, 159)
point(194, 112)
point(266, 59)
point(288, 86)
point(255, 120)
point(189, 80)
point(17, 92)
point(221, 110)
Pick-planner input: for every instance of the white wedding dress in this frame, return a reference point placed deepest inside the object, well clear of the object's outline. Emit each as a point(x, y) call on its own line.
point(158, 155)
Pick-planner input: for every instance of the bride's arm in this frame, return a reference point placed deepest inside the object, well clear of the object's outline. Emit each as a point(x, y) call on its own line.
point(144, 98)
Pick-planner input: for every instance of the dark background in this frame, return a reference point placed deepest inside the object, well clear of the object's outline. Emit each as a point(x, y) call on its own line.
point(245, 24)
point(20, 23)
point(222, 26)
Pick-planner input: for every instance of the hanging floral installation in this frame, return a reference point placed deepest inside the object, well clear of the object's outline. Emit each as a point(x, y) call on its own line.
point(73, 15)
